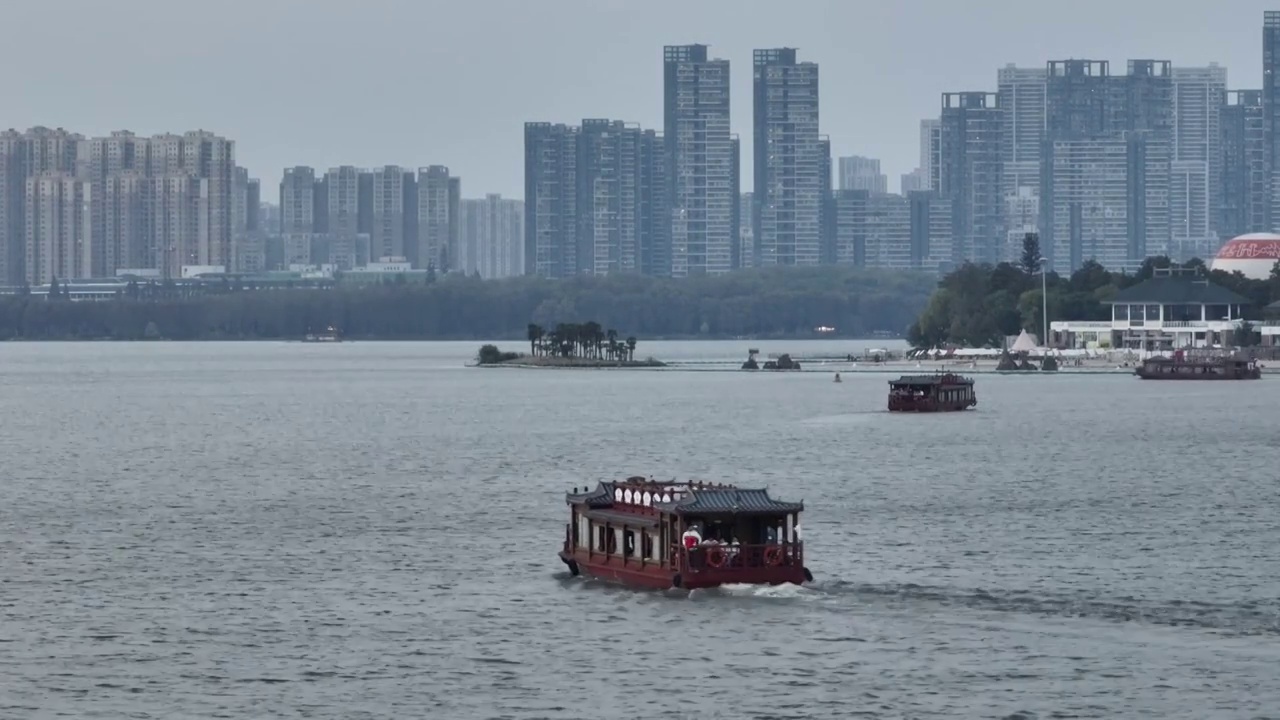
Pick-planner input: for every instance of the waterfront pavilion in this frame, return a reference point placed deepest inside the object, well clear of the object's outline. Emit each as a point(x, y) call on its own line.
point(1171, 310)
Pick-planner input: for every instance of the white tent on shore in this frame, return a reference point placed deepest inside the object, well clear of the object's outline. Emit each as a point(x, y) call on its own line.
point(1026, 342)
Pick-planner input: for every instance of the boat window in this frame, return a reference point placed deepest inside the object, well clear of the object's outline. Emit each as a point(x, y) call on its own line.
point(629, 543)
point(615, 542)
point(647, 545)
point(601, 538)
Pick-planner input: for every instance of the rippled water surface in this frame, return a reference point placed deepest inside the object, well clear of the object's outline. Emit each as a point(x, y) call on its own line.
point(369, 530)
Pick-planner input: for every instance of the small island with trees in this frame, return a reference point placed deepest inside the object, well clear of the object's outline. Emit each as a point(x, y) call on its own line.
point(569, 345)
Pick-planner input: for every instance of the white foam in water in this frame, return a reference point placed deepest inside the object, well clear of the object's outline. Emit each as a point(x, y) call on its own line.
point(786, 590)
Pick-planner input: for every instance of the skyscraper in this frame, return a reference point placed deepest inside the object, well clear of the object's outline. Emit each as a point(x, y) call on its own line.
point(1271, 110)
point(437, 217)
point(826, 203)
point(1022, 133)
point(58, 228)
point(699, 162)
point(788, 162)
point(1195, 183)
point(386, 236)
point(1244, 192)
point(609, 197)
point(970, 175)
point(342, 184)
point(931, 151)
point(550, 199)
point(655, 216)
point(298, 213)
point(1105, 177)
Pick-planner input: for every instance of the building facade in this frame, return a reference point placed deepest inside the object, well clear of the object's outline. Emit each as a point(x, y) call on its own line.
point(1244, 194)
point(491, 237)
point(699, 160)
point(862, 173)
point(970, 175)
point(788, 160)
point(550, 197)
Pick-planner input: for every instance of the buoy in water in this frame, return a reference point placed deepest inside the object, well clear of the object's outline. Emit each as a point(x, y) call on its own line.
point(838, 378)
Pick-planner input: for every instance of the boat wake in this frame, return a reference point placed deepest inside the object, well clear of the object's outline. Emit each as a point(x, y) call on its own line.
point(1250, 618)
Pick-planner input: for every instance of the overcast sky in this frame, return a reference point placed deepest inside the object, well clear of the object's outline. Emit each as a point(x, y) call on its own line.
point(418, 82)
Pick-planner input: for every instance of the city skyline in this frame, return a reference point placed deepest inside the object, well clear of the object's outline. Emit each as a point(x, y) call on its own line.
point(874, 91)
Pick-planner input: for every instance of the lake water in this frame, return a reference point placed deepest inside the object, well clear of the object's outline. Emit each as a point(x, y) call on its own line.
point(368, 530)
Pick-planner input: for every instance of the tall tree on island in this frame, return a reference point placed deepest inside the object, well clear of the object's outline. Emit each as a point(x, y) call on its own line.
point(1031, 256)
point(535, 336)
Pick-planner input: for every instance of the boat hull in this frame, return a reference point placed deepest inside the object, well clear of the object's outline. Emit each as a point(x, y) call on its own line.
point(656, 576)
point(1255, 375)
point(928, 405)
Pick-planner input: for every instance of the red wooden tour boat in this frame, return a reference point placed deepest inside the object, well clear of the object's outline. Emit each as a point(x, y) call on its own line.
point(691, 535)
point(944, 392)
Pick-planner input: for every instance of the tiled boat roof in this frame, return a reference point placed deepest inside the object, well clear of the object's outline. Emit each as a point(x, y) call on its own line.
point(682, 498)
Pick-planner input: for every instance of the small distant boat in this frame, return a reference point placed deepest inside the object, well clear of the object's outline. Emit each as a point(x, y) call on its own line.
point(328, 335)
point(943, 392)
point(838, 378)
point(1181, 367)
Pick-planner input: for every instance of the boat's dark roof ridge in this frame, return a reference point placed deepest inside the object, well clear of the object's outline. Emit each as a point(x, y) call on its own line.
point(684, 498)
point(936, 379)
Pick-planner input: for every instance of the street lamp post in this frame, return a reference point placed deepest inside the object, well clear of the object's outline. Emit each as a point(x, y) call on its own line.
point(1044, 300)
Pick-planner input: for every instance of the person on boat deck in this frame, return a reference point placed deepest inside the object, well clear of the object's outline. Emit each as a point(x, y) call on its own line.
point(692, 538)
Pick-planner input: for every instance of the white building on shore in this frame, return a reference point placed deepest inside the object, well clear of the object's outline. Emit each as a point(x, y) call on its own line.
point(1169, 311)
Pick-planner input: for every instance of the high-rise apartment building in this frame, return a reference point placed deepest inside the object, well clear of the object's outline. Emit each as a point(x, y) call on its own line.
point(1244, 180)
point(438, 210)
point(298, 213)
point(609, 201)
point(58, 216)
point(736, 218)
point(248, 248)
point(386, 237)
point(826, 203)
point(862, 173)
point(746, 238)
point(931, 151)
point(1109, 201)
point(655, 216)
point(1022, 133)
point(343, 207)
point(125, 241)
point(1105, 178)
point(491, 240)
point(38, 151)
point(1271, 111)
point(178, 208)
point(13, 189)
point(550, 199)
point(788, 161)
point(1195, 175)
point(970, 175)
point(875, 230)
point(699, 160)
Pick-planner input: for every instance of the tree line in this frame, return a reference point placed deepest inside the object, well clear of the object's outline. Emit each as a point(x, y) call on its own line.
point(979, 305)
point(775, 302)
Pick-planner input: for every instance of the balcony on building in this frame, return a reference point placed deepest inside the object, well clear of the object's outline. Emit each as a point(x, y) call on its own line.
point(1174, 309)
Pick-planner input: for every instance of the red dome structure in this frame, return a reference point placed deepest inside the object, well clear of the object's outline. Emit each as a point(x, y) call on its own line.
point(1253, 255)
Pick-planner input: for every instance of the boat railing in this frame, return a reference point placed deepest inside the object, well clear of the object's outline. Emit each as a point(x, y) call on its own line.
point(728, 557)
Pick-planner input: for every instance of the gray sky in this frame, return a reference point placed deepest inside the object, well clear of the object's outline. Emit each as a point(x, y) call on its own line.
point(375, 82)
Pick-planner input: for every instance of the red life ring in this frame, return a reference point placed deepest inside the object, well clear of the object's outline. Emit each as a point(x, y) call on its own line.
point(773, 555)
point(716, 556)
